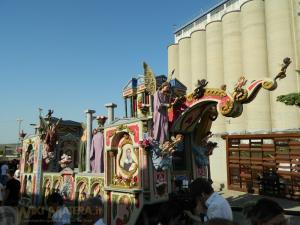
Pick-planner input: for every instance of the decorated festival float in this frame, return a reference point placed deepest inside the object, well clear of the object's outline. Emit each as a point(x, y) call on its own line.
point(158, 148)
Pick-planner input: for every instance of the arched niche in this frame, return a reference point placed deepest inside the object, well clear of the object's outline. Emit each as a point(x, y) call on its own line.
point(124, 160)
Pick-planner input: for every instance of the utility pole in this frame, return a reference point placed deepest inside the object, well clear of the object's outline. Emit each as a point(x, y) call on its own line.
point(19, 121)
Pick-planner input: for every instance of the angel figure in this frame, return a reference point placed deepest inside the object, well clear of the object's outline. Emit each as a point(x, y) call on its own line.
point(282, 74)
point(238, 88)
point(49, 115)
point(199, 91)
point(160, 114)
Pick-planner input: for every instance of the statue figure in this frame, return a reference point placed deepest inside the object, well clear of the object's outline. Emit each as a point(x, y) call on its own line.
point(49, 115)
point(48, 133)
point(160, 114)
point(199, 91)
point(82, 150)
point(282, 74)
point(204, 150)
point(51, 138)
point(97, 147)
point(238, 88)
point(29, 158)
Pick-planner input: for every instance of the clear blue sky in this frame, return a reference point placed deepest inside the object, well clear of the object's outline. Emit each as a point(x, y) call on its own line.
point(70, 55)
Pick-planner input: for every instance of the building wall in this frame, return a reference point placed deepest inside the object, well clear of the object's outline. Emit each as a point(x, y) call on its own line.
point(250, 38)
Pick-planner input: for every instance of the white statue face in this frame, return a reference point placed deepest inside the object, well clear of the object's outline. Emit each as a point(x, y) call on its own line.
point(128, 153)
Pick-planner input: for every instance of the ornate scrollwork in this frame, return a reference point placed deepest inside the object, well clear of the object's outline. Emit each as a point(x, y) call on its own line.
point(124, 182)
point(227, 107)
point(189, 98)
point(126, 140)
point(269, 85)
point(240, 96)
point(125, 128)
point(82, 179)
point(121, 127)
point(215, 92)
point(95, 180)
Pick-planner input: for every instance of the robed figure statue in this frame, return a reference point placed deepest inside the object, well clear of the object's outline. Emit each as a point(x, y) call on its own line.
point(160, 114)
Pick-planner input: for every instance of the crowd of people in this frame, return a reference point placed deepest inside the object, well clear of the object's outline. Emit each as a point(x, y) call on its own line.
point(9, 184)
point(206, 207)
point(210, 208)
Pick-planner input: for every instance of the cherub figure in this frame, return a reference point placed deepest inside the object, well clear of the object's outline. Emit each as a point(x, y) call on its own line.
point(49, 115)
point(169, 146)
point(282, 74)
point(238, 88)
point(199, 91)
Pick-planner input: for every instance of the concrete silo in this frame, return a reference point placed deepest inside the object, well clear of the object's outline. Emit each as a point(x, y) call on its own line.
point(214, 63)
point(173, 60)
point(198, 56)
point(280, 45)
point(254, 62)
point(184, 51)
point(232, 58)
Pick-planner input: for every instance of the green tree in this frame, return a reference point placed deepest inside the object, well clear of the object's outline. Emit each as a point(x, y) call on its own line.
point(290, 99)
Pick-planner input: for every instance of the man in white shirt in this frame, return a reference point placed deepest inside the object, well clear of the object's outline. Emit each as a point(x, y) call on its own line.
point(17, 172)
point(62, 215)
point(208, 204)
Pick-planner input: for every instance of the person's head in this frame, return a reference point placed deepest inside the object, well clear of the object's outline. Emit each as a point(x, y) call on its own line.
point(95, 131)
point(170, 213)
point(201, 189)
point(92, 210)
point(10, 173)
point(128, 153)
point(220, 221)
point(165, 87)
point(265, 212)
point(55, 200)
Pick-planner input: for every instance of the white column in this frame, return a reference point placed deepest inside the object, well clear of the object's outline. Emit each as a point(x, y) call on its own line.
point(89, 127)
point(110, 112)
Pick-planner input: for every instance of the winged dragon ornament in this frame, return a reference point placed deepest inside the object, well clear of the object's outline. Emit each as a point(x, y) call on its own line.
point(228, 104)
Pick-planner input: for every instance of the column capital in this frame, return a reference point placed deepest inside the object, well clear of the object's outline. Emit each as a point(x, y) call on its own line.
point(89, 111)
point(110, 105)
